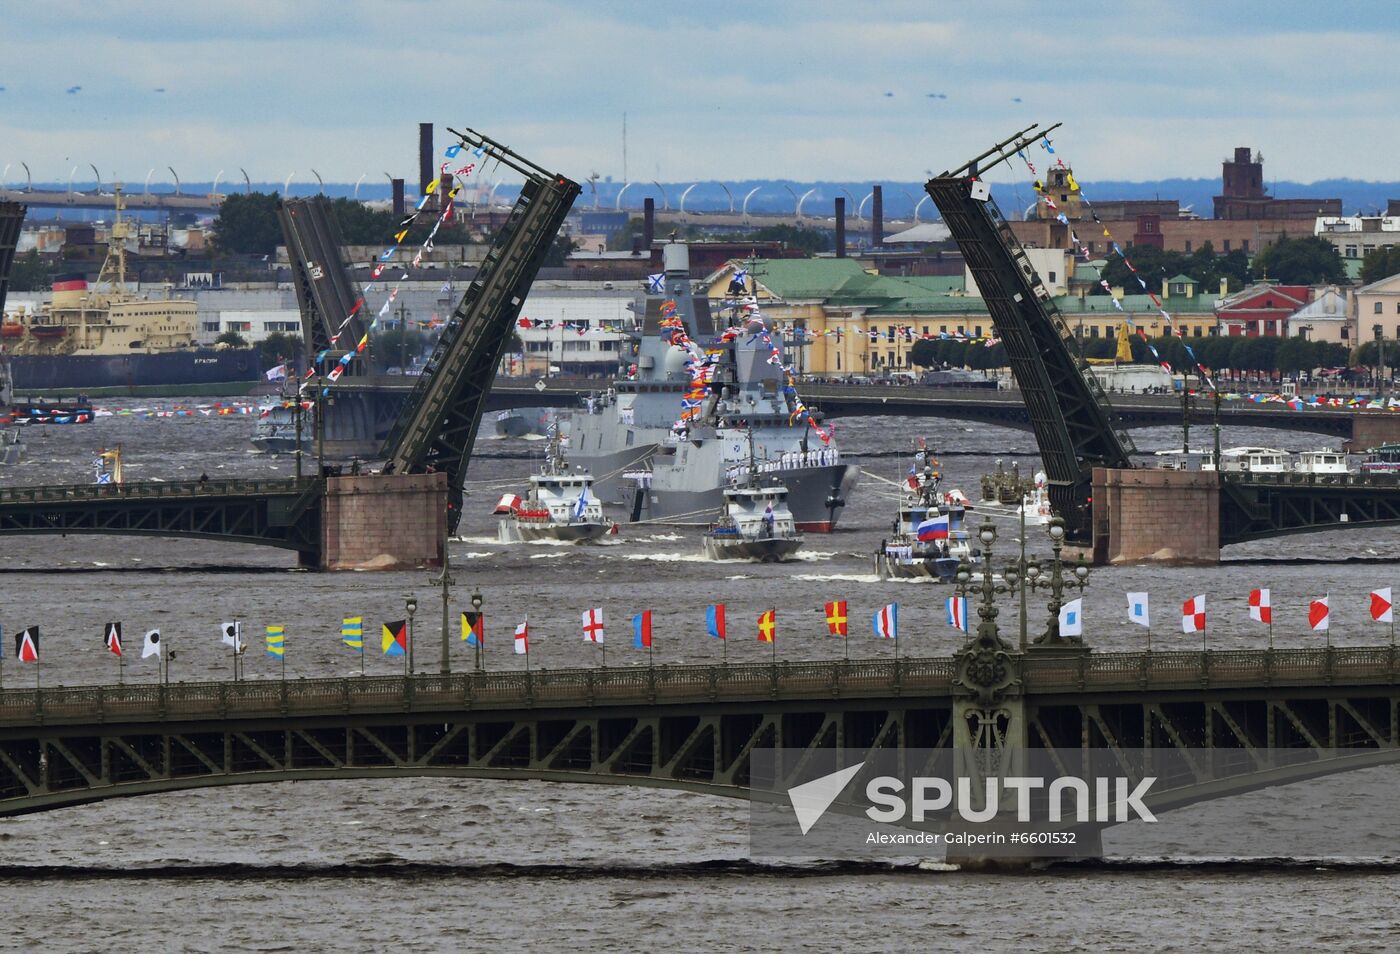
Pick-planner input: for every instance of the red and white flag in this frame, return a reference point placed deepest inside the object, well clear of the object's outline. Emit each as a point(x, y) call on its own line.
point(1193, 615)
point(522, 638)
point(1319, 614)
point(1259, 609)
point(593, 625)
point(1382, 609)
point(509, 503)
point(27, 645)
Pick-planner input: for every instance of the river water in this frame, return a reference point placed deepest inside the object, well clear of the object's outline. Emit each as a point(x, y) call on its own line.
point(434, 864)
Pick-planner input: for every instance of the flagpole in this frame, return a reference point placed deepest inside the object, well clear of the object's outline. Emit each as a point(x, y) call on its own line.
point(774, 641)
point(1271, 630)
point(1149, 640)
point(362, 653)
point(121, 666)
point(725, 643)
point(604, 647)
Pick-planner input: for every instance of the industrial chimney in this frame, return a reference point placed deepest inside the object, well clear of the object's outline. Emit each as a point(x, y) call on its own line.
point(841, 227)
point(877, 217)
point(648, 224)
point(425, 157)
point(397, 186)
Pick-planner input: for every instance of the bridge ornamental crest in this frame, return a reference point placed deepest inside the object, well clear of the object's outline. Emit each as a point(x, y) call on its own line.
point(988, 673)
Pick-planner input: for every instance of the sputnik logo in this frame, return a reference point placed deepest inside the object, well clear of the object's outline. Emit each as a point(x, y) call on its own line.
point(810, 800)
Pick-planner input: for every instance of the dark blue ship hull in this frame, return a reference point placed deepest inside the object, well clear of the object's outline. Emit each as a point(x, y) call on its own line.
point(203, 371)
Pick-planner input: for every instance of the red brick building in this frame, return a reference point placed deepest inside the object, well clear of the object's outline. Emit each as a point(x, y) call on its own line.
point(1260, 310)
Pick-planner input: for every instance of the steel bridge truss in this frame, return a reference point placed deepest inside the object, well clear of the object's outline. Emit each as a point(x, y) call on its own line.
point(1072, 419)
point(280, 513)
point(326, 293)
point(699, 727)
point(1271, 505)
point(438, 423)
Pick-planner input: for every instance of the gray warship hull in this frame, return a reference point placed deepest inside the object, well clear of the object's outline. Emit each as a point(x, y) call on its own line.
point(811, 492)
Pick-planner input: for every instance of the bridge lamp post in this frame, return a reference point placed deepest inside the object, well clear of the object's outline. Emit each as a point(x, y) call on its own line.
point(1056, 582)
point(410, 606)
point(445, 580)
point(477, 603)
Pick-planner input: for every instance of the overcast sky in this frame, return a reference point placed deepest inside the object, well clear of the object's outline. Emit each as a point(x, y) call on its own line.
point(807, 90)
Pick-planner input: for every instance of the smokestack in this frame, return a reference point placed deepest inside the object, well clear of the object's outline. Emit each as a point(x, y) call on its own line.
point(648, 223)
point(397, 186)
point(425, 157)
point(841, 227)
point(877, 217)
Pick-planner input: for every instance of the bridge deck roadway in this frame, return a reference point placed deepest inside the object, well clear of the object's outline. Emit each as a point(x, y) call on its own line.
point(1051, 675)
point(972, 404)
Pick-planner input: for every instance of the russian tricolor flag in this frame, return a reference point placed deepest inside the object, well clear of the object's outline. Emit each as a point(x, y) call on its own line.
point(641, 630)
point(934, 528)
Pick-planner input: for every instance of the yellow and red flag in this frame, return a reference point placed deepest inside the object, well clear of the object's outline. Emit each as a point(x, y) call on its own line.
point(836, 618)
point(768, 626)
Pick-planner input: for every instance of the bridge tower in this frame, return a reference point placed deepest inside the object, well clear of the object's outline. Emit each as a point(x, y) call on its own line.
point(11, 218)
point(438, 423)
point(327, 295)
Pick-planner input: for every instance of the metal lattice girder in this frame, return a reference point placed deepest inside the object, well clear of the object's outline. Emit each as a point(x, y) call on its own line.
point(1270, 505)
point(688, 727)
point(326, 293)
point(439, 421)
point(11, 219)
point(279, 513)
point(1070, 415)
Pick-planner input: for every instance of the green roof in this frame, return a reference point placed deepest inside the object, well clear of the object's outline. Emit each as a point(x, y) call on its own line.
point(1181, 279)
point(803, 278)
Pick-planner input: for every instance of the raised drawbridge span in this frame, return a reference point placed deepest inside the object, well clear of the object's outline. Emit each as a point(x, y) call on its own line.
point(1080, 437)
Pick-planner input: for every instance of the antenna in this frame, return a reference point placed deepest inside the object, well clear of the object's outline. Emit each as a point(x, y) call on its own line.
point(624, 146)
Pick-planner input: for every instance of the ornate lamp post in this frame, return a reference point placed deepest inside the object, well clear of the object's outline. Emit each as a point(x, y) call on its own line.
point(410, 605)
point(477, 603)
point(1056, 582)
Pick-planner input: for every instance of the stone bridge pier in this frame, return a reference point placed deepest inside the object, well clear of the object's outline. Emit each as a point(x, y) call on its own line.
point(383, 522)
point(1372, 429)
point(1170, 516)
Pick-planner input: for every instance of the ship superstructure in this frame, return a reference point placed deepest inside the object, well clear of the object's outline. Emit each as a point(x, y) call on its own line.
point(675, 431)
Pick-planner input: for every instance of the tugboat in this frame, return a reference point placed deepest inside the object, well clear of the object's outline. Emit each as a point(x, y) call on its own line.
point(929, 538)
point(277, 426)
point(756, 525)
point(560, 505)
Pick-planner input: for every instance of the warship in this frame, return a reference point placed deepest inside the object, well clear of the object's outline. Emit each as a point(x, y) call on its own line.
point(670, 435)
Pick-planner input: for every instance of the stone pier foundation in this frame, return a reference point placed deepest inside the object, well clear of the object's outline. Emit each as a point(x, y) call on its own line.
point(1168, 516)
point(380, 522)
point(1372, 429)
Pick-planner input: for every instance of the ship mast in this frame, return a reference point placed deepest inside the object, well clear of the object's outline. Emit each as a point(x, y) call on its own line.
point(116, 245)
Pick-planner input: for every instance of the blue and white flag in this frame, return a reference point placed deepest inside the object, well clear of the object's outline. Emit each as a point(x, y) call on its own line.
point(886, 622)
point(581, 504)
point(1138, 609)
point(957, 612)
point(741, 276)
point(656, 284)
point(1072, 618)
point(452, 150)
point(479, 151)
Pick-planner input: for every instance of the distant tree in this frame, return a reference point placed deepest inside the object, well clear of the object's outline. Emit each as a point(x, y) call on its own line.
point(278, 347)
point(1301, 261)
point(808, 240)
point(559, 250)
point(924, 354)
point(621, 240)
point(1380, 263)
point(1213, 351)
point(247, 224)
point(395, 347)
point(231, 338)
point(31, 273)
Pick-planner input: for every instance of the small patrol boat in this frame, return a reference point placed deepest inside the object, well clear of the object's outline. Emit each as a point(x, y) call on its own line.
point(929, 539)
point(756, 525)
point(560, 505)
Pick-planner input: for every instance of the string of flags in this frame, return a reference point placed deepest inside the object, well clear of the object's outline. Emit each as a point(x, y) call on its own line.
point(1259, 603)
point(1081, 250)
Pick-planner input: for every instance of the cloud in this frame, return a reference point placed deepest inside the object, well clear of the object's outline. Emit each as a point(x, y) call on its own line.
point(722, 90)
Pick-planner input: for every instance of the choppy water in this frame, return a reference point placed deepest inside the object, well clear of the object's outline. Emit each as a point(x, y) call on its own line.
point(452, 864)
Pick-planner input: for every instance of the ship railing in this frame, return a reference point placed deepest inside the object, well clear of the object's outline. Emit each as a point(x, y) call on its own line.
point(928, 677)
point(234, 487)
point(793, 460)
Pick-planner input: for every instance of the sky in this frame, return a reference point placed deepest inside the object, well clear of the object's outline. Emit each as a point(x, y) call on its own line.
point(808, 90)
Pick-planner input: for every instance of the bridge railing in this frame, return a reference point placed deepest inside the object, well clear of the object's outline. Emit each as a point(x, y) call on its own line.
point(1365, 479)
point(587, 688)
point(235, 487)
point(488, 690)
point(1229, 668)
